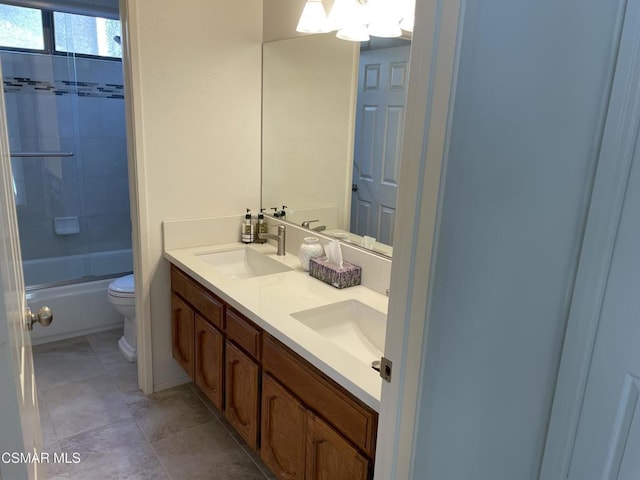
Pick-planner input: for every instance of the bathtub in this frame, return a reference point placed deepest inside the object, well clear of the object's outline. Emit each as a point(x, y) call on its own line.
point(79, 308)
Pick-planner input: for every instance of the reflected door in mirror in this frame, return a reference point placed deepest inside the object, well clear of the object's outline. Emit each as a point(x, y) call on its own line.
point(382, 90)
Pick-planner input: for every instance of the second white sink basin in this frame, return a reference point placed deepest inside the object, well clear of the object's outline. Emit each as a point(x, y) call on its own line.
point(352, 325)
point(242, 263)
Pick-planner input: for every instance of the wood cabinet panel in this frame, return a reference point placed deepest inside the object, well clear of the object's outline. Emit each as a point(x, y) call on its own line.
point(203, 301)
point(244, 333)
point(329, 456)
point(242, 393)
point(283, 431)
point(182, 326)
point(347, 414)
point(209, 363)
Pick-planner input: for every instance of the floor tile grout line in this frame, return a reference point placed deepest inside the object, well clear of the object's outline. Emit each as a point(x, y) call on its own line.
point(155, 453)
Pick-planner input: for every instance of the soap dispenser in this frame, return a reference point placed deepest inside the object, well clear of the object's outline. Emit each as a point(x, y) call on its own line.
point(262, 226)
point(247, 228)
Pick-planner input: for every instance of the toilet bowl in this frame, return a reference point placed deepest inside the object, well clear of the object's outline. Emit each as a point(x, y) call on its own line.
point(122, 297)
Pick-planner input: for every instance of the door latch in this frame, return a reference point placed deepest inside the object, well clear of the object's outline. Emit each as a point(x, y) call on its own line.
point(385, 369)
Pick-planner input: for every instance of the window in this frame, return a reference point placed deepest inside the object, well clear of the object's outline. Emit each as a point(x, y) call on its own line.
point(21, 28)
point(56, 32)
point(86, 35)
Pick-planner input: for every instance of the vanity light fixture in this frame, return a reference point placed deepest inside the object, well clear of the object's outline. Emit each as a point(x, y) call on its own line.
point(313, 18)
point(356, 20)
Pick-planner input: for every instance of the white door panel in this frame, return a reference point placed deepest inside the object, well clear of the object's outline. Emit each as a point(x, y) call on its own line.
point(19, 419)
point(608, 428)
point(383, 76)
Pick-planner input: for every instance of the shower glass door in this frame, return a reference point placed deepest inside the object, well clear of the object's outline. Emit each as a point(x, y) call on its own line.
point(63, 84)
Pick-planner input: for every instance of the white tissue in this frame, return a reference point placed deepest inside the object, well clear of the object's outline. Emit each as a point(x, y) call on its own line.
point(334, 253)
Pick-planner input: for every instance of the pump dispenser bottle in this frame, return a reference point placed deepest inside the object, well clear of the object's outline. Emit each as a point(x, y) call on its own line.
point(247, 228)
point(262, 226)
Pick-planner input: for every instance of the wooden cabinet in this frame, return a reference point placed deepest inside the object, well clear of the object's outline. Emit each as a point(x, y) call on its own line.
point(242, 389)
point(244, 333)
point(354, 420)
point(309, 427)
point(283, 431)
point(209, 362)
point(329, 456)
point(182, 325)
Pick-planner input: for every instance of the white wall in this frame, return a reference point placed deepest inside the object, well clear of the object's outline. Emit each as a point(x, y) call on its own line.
point(309, 108)
point(532, 86)
point(195, 97)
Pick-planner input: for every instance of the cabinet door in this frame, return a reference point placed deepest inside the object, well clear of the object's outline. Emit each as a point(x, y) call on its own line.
point(283, 431)
point(329, 456)
point(208, 360)
point(182, 324)
point(241, 393)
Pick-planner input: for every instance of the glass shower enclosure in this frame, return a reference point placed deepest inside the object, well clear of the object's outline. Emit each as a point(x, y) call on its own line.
point(63, 84)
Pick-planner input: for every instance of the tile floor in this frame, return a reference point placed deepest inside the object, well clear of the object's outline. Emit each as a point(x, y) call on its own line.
point(90, 405)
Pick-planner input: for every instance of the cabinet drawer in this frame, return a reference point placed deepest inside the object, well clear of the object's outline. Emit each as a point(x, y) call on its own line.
point(243, 332)
point(207, 304)
point(347, 414)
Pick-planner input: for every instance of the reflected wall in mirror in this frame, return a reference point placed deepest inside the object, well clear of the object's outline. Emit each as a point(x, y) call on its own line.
point(333, 116)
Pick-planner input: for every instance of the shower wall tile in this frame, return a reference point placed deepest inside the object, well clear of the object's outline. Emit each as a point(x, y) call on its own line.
point(11, 107)
point(90, 117)
point(119, 197)
point(47, 121)
point(96, 196)
point(113, 118)
point(106, 196)
point(64, 116)
point(104, 157)
point(39, 240)
point(108, 232)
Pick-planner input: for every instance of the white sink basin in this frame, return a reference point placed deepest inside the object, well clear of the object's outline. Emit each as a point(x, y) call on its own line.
point(353, 326)
point(242, 263)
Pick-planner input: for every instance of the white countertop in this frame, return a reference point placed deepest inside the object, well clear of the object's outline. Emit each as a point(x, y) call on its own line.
point(268, 301)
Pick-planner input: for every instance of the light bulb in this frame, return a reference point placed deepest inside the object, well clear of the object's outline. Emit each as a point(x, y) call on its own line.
point(313, 18)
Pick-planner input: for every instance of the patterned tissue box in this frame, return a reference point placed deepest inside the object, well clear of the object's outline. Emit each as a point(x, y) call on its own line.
point(347, 276)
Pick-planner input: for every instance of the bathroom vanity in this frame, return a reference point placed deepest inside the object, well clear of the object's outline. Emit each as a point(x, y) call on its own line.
point(307, 403)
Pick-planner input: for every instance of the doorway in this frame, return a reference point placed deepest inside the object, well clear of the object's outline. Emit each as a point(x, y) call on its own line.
point(64, 95)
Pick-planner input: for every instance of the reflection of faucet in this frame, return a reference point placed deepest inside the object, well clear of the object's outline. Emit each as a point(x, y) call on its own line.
point(280, 238)
point(319, 228)
point(279, 214)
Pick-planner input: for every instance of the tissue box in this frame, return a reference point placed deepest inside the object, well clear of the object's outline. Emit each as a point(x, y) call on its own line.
point(347, 276)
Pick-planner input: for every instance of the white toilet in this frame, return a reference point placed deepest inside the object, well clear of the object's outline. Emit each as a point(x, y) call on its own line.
point(122, 297)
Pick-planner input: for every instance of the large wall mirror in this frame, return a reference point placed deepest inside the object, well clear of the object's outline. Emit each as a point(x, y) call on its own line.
point(333, 117)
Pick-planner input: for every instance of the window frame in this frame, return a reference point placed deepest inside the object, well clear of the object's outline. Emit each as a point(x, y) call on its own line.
point(48, 34)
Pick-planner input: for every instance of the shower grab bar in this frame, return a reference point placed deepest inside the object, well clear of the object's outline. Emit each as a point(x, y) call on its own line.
point(41, 154)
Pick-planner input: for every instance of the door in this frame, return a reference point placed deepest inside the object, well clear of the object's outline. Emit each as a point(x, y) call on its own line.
point(283, 432)
point(242, 377)
point(594, 429)
point(382, 91)
point(329, 456)
point(19, 421)
point(209, 363)
point(607, 444)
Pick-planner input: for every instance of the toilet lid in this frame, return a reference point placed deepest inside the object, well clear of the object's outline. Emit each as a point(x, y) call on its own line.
point(123, 285)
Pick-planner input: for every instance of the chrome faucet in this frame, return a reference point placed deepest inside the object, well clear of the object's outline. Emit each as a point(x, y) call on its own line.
point(280, 238)
point(319, 228)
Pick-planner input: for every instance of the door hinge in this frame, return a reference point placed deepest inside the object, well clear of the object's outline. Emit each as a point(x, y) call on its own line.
point(385, 369)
